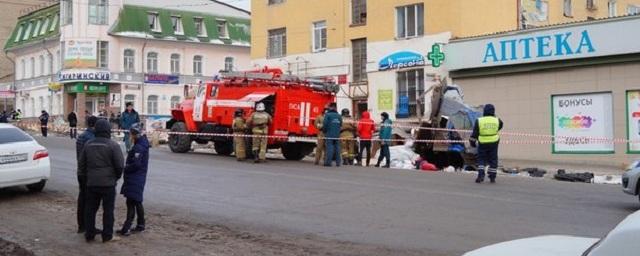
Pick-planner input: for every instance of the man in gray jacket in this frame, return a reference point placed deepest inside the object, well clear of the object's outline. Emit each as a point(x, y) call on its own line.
point(101, 162)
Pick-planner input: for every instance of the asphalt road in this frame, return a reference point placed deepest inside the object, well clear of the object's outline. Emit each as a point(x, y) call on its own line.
point(434, 212)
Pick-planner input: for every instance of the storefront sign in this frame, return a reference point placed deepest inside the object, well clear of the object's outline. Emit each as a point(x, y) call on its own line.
point(161, 79)
point(86, 88)
point(568, 42)
point(84, 75)
point(342, 79)
point(402, 59)
point(55, 87)
point(633, 121)
point(436, 56)
point(80, 54)
point(114, 99)
point(583, 123)
point(385, 99)
point(7, 94)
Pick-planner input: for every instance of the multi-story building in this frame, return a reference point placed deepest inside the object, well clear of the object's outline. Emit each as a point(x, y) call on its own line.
point(386, 53)
point(97, 55)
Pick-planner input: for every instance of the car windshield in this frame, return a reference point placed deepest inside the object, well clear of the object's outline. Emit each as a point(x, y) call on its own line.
point(13, 135)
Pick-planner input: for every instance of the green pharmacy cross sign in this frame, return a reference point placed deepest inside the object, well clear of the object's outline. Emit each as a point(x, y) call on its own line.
point(436, 56)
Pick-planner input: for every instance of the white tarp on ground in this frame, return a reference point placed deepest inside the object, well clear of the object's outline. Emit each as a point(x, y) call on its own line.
point(608, 179)
point(402, 156)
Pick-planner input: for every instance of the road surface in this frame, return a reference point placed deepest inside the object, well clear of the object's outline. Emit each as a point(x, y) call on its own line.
point(432, 212)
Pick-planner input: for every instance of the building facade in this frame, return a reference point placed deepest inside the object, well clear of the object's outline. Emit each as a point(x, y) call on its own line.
point(95, 56)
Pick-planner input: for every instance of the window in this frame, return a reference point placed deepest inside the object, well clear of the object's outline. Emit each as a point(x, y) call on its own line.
point(19, 33)
point(275, 2)
point(613, 8)
point(130, 98)
point(36, 30)
point(33, 106)
point(411, 85)
point(358, 12)
point(175, 64)
point(41, 71)
point(176, 22)
point(41, 103)
point(319, 36)
point(67, 12)
point(23, 65)
point(103, 54)
point(129, 61)
point(228, 64)
point(277, 43)
point(197, 65)
point(54, 23)
point(58, 63)
point(45, 26)
point(200, 28)
point(98, 12)
point(591, 5)
point(633, 9)
point(32, 64)
point(175, 101)
point(154, 22)
point(410, 20)
point(50, 64)
point(152, 62)
point(27, 32)
point(222, 28)
point(152, 105)
point(12, 135)
point(567, 9)
point(359, 58)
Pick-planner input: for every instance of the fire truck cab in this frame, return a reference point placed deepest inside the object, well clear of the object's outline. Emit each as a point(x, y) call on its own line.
point(292, 102)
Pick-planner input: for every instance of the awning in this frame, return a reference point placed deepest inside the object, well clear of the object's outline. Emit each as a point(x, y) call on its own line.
point(255, 97)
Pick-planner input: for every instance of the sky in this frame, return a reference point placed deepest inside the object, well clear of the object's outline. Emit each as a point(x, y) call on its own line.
point(244, 4)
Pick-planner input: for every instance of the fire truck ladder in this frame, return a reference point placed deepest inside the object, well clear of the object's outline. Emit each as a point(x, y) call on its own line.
point(316, 84)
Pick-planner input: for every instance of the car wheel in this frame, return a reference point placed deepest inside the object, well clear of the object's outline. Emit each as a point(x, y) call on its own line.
point(37, 187)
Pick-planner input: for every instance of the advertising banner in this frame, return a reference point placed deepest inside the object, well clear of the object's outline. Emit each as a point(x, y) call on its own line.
point(385, 99)
point(161, 79)
point(633, 121)
point(583, 123)
point(114, 99)
point(80, 54)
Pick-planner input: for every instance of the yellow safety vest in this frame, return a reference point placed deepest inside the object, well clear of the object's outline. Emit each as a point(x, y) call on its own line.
point(489, 127)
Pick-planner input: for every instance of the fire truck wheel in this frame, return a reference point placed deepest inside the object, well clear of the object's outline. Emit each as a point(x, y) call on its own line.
point(223, 148)
point(296, 151)
point(179, 143)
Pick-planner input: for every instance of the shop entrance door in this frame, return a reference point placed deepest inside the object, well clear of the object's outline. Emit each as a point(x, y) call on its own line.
point(359, 107)
point(95, 104)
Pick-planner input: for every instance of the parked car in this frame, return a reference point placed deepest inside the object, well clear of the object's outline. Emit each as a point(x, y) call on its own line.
point(22, 160)
point(631, 179)
point(621, 241)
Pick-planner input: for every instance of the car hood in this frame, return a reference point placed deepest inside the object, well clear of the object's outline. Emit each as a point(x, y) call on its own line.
point(538, 246)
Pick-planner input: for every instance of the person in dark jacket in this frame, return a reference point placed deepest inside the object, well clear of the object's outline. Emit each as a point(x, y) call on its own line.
point(44, 123)
point(485, 133)
point(102, 163)
point(127, 119)
point(4, 117)
point(87, 135)
point(386, 131)
point(73, 124)
point(331, 128)
point(135, 177)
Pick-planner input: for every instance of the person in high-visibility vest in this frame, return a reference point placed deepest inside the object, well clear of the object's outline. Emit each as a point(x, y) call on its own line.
point(485, 134)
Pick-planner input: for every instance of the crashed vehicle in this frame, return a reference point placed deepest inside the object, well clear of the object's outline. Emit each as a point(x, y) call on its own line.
point(631, 180)
point(292, 102)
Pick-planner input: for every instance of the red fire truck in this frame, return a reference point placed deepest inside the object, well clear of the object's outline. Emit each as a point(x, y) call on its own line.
point(292, 102)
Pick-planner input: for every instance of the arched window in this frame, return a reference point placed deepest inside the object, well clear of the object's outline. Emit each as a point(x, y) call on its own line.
point(23, 66)
point(175, 101)
point(41, 71)
point(50, 69)
point(197, 65)
point(228, 64)
point(152, 105)
point(58, 63)
point(152, 62)
point(130, 98)
point(175, 64)
point(32, 65)
point(129, 61)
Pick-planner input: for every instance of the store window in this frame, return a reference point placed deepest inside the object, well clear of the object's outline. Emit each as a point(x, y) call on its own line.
point(130, 98)
point(152, 62)
point(152, 105)
point(410, 20)
point(359, 58)
point(358, 12)
point(154, 21)
point(567, 9)
point(200, 27)
point(175, 64)
point(277, 43)
point(103, 54)
point(197, 65)
point(410, 87)
point(67, 12)
point(222, 29)
point(129, 61)
point(176, 22)
point(319, 36)
point(98, 12)
point(613, 8)
point(175, 101)
point(228, 64)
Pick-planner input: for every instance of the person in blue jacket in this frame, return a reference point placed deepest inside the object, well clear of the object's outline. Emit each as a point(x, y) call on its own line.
point(135, 177)
point(385, 137)
point(128, 118)
point(331, 129)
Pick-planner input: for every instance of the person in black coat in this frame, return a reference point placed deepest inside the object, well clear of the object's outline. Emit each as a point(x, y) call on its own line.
point(73, 124)
point(135, 177)
point(86, 136)
point(4, 117)
point(44, 123)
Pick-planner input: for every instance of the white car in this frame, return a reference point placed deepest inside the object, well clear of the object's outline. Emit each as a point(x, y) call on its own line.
point(621, 241)
point(22, 160)
point(631, 179)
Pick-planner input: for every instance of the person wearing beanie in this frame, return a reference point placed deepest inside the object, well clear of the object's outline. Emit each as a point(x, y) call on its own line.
point(85, 136)
point(102, 163)
point(385, 138)
point(485, 134)
point(135, 177)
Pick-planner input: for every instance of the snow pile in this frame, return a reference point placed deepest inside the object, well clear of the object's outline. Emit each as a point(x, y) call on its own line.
point(608, 179)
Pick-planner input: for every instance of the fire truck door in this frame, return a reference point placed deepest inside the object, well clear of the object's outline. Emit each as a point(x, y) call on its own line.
point(198, 103)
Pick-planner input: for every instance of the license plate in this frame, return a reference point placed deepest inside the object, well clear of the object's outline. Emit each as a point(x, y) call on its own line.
point(10, 159)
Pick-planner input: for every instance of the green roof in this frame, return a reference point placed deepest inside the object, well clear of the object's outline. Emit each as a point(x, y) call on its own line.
point(133, 21)
point(34, 27)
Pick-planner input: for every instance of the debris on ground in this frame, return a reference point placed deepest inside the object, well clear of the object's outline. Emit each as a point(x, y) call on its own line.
point(562, 175)
point(402, 156)
point(535, 172)
point(510, 170)
point(12, 249)
point(608, 179)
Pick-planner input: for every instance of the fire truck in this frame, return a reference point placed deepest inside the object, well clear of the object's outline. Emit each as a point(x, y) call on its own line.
point(292, 102)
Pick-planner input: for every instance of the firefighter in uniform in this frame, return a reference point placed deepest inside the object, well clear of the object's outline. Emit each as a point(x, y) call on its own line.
point(347, 138)
point(320, 143)
point(485, 133)
point(239, 130)
point(259, 123)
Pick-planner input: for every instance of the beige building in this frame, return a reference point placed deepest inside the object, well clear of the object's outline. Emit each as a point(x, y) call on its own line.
point(10, 11)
